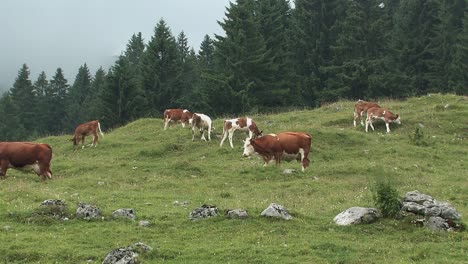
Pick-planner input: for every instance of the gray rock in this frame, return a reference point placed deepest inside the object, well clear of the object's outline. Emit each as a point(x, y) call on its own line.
point(56, 208)
point(437, 223)
point(236, 213)
point(126, 255)
point(276, 211)
point(205, 211)
point(182, 203)
point(144, 223)
point(124, 213)
point(121, 256)
point(413, 208)
point(449, 212)
point(87, 211)
point(357, 215)
point(54, 202)
point(417, 197)
point(289, 171)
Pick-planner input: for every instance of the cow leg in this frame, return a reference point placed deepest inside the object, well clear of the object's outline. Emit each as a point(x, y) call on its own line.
point(231, 135)
point(4, 164)
point(388, 127)
point(166, 123)
point(225, 135)
point(304, 159)
point(44, 170)
point(95, 139)
point(202, 132)
point(360, 117)
point(209, 132)
point(193, 133)
point(355, 118)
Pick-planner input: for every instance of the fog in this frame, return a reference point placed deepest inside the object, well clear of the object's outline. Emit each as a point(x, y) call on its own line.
point(68, 33)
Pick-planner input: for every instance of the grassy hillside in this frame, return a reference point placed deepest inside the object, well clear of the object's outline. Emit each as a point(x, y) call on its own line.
point(143, 167)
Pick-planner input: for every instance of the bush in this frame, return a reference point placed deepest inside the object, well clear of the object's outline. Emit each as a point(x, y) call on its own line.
point(386, 197)
point(418, 138)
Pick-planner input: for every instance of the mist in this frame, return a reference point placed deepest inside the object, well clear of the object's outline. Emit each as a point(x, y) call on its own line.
point(50, 34)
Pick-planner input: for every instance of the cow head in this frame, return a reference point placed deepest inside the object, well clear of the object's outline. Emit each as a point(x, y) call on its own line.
point(248, 148)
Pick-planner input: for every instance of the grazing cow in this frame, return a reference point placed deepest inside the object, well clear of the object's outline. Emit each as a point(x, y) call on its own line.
point(25, 154)
point(381, 113)
point(176, 115)
point(202, 122)
point(86, 129)
point(361, 107)
point(286, 146)
point(243, 124)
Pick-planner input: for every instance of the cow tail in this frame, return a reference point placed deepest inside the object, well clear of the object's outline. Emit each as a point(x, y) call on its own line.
point(100, 131)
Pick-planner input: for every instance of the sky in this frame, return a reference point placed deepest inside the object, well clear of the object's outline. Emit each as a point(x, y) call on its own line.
point(48, 34)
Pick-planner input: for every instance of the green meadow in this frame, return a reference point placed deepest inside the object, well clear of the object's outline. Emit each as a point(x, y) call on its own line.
point(143, 167)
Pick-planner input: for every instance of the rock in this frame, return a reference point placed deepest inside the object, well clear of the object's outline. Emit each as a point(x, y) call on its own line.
point(87, 211)
point(437, 223)
point(276, 211)
point(236, 213)
point(413, 208)
point(124, 213)
point(357, 215)
point(183, 203)
point(144, 223)
point(205, 211)
point(121, 256)
point(54, 207)
point(289, 171)
point(417, 197)
point(126, 255)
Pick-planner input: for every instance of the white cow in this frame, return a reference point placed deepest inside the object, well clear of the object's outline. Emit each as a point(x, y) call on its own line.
point(245, 124)
point(202, 122)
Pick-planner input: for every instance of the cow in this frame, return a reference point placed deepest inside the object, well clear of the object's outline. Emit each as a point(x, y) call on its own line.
point(202, 122)
point(243, 124)
point(176, 115)
point(86, 129)
point(285, 145)
point(24, 155)
point(361, 107)
point(381, 113)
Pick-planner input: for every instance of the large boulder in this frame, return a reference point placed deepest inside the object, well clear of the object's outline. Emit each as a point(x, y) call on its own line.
point(87, 211)
point(276, 211)
point(205, 211)
point(423, 204)
point(357, 215)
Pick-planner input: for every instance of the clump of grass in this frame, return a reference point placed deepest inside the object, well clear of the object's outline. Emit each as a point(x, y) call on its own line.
point(386, 196)
point(418, 138)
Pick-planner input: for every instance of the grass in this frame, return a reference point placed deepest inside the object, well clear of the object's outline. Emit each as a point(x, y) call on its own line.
point(143, 167)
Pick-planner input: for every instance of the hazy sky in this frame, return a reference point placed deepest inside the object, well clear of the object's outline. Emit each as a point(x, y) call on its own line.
point(47, 34)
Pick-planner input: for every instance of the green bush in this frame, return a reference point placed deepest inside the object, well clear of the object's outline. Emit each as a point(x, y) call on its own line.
point(386, 197)
point(418, 138)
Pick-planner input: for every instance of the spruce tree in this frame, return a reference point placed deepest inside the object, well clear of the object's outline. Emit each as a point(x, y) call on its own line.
point(56, 95)
point(161, 69)
point(40, 87)
point(23, 97)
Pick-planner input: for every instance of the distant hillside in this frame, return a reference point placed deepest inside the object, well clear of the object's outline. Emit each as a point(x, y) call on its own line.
point(163, 175)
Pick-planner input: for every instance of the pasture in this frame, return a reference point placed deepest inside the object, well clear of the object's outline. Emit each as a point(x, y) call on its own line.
point(143, 167)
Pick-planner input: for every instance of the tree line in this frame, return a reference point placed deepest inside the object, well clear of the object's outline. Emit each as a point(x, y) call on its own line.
point(271, 56)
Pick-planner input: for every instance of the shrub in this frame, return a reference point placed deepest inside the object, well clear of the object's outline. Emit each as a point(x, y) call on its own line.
point(386, 197)
point(418, 138)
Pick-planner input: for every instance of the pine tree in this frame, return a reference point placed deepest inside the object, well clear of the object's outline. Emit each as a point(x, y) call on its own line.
point(11, 128)
point(245, 67)
point(78, 96)
point(56, 94)
point(23, 97)
point(161, 69)
point(40, 87)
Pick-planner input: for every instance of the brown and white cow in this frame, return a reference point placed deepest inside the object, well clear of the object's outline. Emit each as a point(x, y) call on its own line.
point(201, 122)
point(26, 154)
point(286, 146)
point(86, 129)
point(381, 113)
point(176, 115)
point(360, 108)
point(245, 124)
